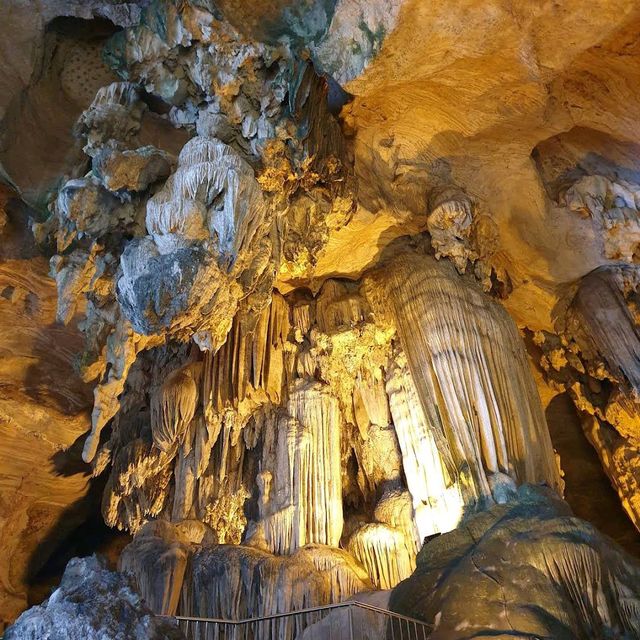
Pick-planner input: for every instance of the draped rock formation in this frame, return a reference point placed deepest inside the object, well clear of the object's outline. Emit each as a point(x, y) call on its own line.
point(471, 377)
point(316, 429)
point(595, 358)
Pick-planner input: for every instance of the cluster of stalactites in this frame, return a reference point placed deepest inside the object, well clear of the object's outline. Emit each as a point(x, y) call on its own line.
point(249, 364)
point(471, 374)
point(313, 407)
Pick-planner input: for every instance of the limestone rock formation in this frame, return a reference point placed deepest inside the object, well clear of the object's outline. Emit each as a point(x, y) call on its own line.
point(92, 602)
point(584, 585)
point(275, 441)
point(473, 385)
point(312, 250)
point(182, 568)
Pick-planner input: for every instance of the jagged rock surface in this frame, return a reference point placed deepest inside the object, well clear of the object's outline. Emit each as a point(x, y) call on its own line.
point(92, 602)
point(479, 581)
point(593, 356)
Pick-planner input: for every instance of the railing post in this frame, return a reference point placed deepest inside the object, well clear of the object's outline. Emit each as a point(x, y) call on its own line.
point(350, 609)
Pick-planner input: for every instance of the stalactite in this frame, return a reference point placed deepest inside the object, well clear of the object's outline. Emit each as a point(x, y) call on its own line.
point(375, 434)
point(370, 403)
point(137, 486)
point(471, 374)
point(249, 365)
point(339, 306)
point(603, 326)
point(595, 358)
point(185, 487)
point(387, 548)
point(222, 488)
point(173, 406)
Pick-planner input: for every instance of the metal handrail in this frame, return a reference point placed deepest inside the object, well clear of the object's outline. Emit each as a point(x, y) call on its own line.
point(254, 626)
point(338, 605)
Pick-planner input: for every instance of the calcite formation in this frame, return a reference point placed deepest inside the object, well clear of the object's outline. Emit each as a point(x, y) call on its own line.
point(589, 588)
point(594, 356)
point(274, 441)
point(471, 376)
point(311, 267)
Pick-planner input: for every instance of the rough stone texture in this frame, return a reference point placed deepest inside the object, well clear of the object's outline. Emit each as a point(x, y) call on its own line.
point(92, 602)
point(526, 568)
point(430, 121)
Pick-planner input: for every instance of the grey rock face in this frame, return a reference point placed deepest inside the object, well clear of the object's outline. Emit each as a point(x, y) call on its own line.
point(354, 37)
point(155, 288)
point(92, 602)
point(526, 568)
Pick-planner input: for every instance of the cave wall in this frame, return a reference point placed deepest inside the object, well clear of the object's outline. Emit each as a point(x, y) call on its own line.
point(44, 409)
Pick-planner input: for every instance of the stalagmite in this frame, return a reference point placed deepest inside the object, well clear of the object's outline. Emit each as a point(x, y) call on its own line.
point(158, 559)
point(261, 584)
point(471, 375)
point(384, 552)
point(437, 500)
point(300, 477)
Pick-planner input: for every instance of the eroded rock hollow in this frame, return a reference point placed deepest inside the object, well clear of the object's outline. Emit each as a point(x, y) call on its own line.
point(325, 281)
